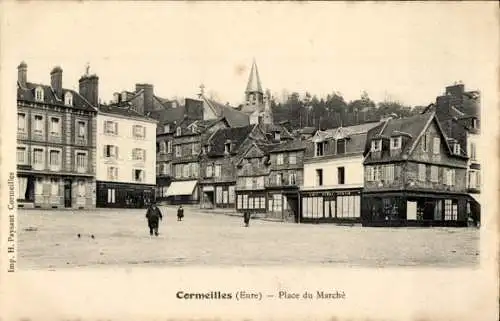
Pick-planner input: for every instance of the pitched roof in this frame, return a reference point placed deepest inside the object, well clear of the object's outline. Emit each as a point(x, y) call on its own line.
point(292, 145)
point(271, 128)
point(254, 84)
point(234, 117)
point(123, 110)
point(236, 136)
point(50, 97)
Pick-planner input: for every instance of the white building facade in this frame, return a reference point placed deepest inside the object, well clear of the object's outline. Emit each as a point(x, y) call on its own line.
point(126, 158)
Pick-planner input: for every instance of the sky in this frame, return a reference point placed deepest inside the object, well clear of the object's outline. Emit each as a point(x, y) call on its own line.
point(405, 52)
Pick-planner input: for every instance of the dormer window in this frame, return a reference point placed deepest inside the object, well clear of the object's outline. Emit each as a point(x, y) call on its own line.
point(178, 131)
point(39, 94)
point(376, 145)
point(474, 123)
point(166, 128)
point(319, 149)
point(277, 136)
point(68, 99)
point(227, 147)
point(124, 96)
point(396, 142)
point(341, 146)
point(456, 148)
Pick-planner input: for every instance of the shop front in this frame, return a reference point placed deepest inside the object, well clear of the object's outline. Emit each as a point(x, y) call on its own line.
point(124, 195)
point(330, 206)
point(283, 204)
point(414, 209)
point(251, 200)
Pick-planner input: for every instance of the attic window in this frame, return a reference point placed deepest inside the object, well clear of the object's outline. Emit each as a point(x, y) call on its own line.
point(227, 147)
point(396, 142)
point(456, 148)
point(376, 145)
point(166, 128)
point(39, 94)
point(68, 99)
point(277, 136)
point(178, 131)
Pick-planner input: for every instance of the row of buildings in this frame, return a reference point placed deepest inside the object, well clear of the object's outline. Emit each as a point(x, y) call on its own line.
point(75, 152)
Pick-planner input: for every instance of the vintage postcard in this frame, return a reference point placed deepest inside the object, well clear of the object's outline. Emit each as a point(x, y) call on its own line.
point(249, 160)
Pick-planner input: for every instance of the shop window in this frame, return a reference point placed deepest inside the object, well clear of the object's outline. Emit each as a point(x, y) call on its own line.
point(450, 210)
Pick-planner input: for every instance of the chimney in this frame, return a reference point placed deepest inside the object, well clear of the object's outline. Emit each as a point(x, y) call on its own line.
point(89, 88)
point(56, 80)
point(22, 74)
point(148, 95)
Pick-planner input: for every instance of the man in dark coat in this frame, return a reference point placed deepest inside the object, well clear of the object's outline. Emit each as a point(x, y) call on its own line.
point(246, 218)
point(154, 217)
point(180, 213)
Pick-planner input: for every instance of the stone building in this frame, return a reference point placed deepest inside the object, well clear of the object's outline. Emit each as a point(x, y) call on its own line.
point(414, 175)
point(56, 142)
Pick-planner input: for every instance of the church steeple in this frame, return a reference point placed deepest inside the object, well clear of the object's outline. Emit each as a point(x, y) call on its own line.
point(254, 94)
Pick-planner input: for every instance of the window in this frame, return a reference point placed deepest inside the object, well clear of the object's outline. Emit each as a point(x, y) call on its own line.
point(209, 170)
point(341, 146)
point(239, 204)
point(139, 131)
point(377, 173)
point(369, 174)
point(279, 179)
point(456, 148)
point(38, 124)
point(421, 172)
point(450, 210)
point(227, 148)
point(389, 173)
point(55, 126)
point(472, 152)
point(111, 195)
point(54, 187)
point(138, 175)
point(111, 151)
point(193, 149)
point(277, 136)
point(169, 146)
point(450, 177)
point(279, 159)
point(341, 175)
point(436, 146)
point(195, 169)
point(110, 127)
point(68, 99)
point(396, 142)
point(248, 182)
point(218, 194)
point(178, 131)
point(434, 174)
point(425, 139)
point(38, 156)
point(259, 182)
point(54, 158)
point(474, 123)
point(82, 129)
point(292, 179)
point(163, 169)
point(81, 160)
point(319, 177)
point(319, 149)
point(163, 147)
point(112, 173)
point(292, 158)
point(166, 128)
point(376, 145)
point(474, 179)
point(232, 194)
point(21, 122)
point(21, 155)
point(177, 151)
point(277, 201)
point(218, 170)
point(39, 94)
point(138, 154)
point(347, 206)
point(245, 201)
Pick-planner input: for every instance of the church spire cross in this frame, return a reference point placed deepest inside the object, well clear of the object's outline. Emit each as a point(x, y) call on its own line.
point(87, 69)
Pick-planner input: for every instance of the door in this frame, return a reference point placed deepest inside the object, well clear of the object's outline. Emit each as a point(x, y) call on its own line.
point(411, 210)
point(67, 193)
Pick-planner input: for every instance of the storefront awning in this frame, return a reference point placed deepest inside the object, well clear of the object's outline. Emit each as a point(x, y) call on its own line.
point(181, 188)
point(476, 197)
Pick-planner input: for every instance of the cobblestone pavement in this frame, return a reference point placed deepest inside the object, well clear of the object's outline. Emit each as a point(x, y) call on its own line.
point(48, 240)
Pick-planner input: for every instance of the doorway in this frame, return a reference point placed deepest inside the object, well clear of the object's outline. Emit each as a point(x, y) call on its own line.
point(67, 192)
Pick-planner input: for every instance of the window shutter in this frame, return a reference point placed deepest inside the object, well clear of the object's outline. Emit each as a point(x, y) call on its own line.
point(104, 150)
point(116, 152)
point(116, 128)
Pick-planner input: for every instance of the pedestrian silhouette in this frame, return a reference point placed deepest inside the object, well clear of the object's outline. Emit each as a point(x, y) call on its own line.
point(180, 213)
point(154, 216)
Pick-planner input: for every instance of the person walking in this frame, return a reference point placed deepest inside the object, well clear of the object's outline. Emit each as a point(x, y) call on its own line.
point(246, 218)
point(180, 213)
point(154, 216)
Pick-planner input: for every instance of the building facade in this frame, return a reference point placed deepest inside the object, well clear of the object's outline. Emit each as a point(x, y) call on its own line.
point(333, 175)
point(126, 157)
point(285, 177)
point(414, 175)
point(56, 143)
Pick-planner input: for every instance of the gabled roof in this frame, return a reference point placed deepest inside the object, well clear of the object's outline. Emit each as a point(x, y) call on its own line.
point(344, 132)
point(236, 136)
point(269, 129)
point(234, 117)
point(50, 97)
point(412, 127)
point(254, 84)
